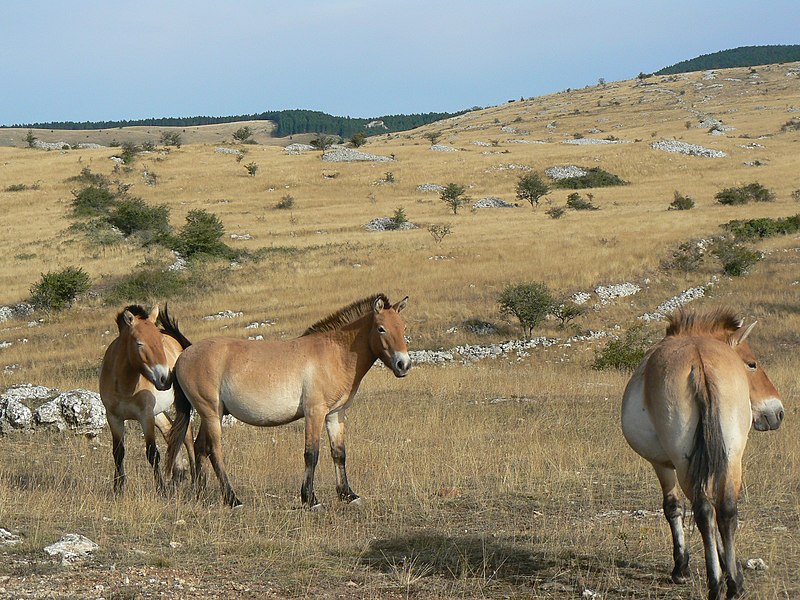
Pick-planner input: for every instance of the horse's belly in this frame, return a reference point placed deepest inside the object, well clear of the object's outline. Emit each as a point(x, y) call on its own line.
point(264, 410)
point(638, 427)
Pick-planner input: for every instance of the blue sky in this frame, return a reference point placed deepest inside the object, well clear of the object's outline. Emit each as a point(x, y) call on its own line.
point(108, 60)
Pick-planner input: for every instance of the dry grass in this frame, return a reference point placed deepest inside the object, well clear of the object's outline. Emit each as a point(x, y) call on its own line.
point(500, 479)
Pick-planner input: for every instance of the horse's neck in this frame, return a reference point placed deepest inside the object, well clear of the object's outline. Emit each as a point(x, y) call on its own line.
point(353, 342)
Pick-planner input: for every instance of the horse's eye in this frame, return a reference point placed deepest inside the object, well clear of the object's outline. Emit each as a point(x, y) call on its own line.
point(381, 329)
point(752, 366)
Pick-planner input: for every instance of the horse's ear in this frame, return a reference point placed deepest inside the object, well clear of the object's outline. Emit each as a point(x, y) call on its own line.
point(128, 317)
point(401, 305)
point(153, 316)
point(378, 306)
point(741, 334)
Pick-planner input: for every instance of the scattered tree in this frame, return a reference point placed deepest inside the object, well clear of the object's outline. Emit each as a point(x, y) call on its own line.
point(243, 135)
point(453, 196)
point(567, 311)
point(30, 138)
point(439, 232)
point(252, 169)
point(358, 139)
point(530, 303)
point(171, 138)
point(432, 137)
point(531, 188)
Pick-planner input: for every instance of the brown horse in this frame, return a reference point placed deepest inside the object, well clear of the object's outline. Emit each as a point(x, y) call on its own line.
point(688, 409)
point(135, 384)
point(268, 383)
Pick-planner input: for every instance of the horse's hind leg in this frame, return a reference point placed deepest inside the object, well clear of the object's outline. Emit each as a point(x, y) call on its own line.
point(727, 522)
point(314, 420)
point(673, 512)
point(117, 427)
point(213, 445)
point(334, 423)
point(706, 518)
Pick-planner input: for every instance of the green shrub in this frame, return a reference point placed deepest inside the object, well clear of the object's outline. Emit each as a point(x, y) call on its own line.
point(16, 187)
point(530, 303)
point(439, 231)
point(171, 138)
point(134, 215)
point(756, 229)
point(567, 311)
point(594, 177)
point(148, 286)
point(736, 259)
point(681, 202)
point(202, 235)
point(88, 178)
point(92, 201)
point(556, 212)
point(687, 258)
point(252, 169)
point(624, 353)
point(742, 195)
point(57, 290)
point(98, 232)
point(575, 202)
point(399, 217)
point(796, 195)
point(453, 196)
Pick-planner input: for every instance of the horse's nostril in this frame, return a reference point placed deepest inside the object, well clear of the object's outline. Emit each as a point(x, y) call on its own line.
point(780, 416)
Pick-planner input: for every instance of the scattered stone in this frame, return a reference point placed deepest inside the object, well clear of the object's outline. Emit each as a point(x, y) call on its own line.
point(243, 236)
point(223, 314)
point(565, 172)
point(756, 564)
point(72, 547)
point(607, 293)
point(443, 148)
point(15, 311)
point(591, 141)
point(679, 147)
point(8, 539)
point(350, 155)
point(674, 303)
point(233, 151)
point(388, 224)
point(493, 202)
point(430, 187)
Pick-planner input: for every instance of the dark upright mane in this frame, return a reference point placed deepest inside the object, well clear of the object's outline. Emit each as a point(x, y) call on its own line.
point(136, 310)
point(720, 321)
point(346, 315)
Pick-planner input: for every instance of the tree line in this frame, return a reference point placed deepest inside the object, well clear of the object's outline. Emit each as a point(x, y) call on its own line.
point(745, 56)
point(287, 122)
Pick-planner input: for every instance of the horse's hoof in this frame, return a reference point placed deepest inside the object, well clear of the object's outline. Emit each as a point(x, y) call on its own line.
point(357, 501)
point(679, 579)
point(237, 507)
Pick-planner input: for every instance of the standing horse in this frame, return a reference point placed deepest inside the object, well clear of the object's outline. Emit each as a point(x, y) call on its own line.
point(135, 380)
point(267, 383)
point(688, 409)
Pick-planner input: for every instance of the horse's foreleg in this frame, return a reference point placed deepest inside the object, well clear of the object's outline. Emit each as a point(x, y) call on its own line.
point(313, 422)
point(117, 427)
point(147, 422)
point(705, 517)
point(673, 512)
point(334, 423)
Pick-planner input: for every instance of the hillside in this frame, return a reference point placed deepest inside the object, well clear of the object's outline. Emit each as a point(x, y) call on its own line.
point(745, 56)
point(496, 468)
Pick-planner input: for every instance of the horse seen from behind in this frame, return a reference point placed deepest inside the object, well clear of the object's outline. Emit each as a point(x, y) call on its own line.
point(688, 409)
point(135, 384)
point(273, 382)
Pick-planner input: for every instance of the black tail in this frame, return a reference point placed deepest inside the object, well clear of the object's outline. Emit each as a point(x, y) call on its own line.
point(183, 416)
point(708, 460)
point(170, 327)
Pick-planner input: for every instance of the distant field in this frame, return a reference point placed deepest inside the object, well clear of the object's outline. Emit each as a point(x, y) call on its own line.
point(503, 478)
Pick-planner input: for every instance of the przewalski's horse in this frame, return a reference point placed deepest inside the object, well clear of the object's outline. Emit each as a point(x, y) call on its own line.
point(135, 384)
point(688, 409)
point(267, 383)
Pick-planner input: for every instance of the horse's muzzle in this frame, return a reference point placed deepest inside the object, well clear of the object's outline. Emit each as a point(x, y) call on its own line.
point(768, 416)
point(400, 364)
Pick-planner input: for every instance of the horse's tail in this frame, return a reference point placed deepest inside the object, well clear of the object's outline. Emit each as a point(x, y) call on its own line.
point(708, 460)
point(169, 326)
point(183, 415)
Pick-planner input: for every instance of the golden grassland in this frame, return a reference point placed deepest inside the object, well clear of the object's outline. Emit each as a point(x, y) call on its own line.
point(505, 478)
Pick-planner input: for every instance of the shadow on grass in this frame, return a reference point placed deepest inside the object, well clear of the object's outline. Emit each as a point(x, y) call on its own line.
point(456, 558)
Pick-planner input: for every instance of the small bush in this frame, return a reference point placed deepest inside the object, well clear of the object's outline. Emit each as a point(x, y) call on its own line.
point(202, 235)
point(742, 195)
point(575, 202)
point(453, 196)
point(439, 231)
point(98, 232)
point(134, 215)
point(531, 188)
point(171, 138)
point(88, 178)
point(796, 195)
point(556, 212)
point(624, 353)
point(687, 258)
point(594, 177)
point(681, 202)
point(791, 125)
point(399, 217)
point(530, 303)
point(252, 169)
point(756, 229)
point(57, 290)
point(16, 187)
point(736, 259)
point(567, 311)
point(286, 202)
point(148, 286)
point(92, 201)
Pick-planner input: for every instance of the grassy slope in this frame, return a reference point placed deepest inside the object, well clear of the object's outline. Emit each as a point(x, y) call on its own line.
point(535, 476)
